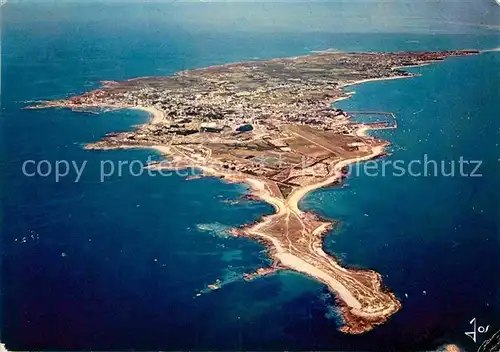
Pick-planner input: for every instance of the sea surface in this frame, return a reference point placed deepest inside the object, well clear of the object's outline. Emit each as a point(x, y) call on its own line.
point(119, 264)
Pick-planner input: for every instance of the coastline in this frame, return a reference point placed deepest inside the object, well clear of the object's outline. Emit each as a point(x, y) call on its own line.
point(156, 115)
point(300, 193)
point(356, 318)
point(361, 81)
point(294, 237)
point(361, 131)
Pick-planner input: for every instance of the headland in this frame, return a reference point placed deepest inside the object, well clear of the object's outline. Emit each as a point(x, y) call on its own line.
point(270, 124)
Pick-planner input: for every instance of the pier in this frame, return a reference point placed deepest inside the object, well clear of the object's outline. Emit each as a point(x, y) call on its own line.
point(390, 123)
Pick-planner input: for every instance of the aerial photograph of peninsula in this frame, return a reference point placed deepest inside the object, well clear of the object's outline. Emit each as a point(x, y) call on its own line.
point(250, 175)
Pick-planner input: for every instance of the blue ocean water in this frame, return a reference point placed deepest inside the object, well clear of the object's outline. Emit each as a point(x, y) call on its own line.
point(118, 264)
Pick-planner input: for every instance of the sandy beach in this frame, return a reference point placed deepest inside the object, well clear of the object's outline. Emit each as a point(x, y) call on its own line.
point(378, 79)
point(298, 243)
point(157, 116)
